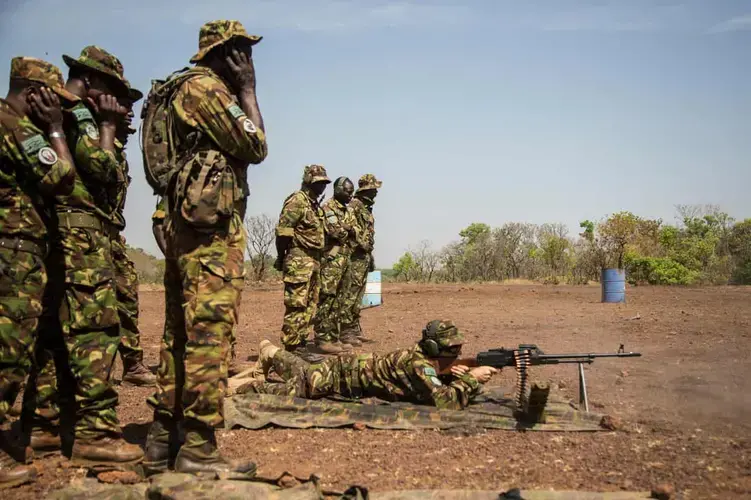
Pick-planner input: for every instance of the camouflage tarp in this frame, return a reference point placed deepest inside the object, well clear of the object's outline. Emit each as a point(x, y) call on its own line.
point(490, 411)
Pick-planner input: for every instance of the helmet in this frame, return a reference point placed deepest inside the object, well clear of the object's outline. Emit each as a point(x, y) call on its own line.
point(313, 174)
point(368, 181)
point(439, 336)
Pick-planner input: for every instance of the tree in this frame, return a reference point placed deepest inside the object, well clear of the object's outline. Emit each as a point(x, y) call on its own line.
point(261, 236)
point(426, 260)
point(740, 249)
point(405, 267)
point(616, 233)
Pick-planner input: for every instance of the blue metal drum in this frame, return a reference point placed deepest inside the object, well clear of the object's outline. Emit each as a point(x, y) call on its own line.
point(372, 297)
point(613, 285)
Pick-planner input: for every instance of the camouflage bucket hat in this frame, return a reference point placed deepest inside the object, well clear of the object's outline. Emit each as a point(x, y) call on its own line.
point(444, 333)
point(99, 60)
point(133, 93)
point(314, 173)
point(215, 33)
point(40, 71)
point(368, 181)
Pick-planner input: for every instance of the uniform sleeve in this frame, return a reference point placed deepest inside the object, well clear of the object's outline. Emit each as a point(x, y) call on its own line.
point(292, 212)
point(38, 163)
point(336, 226)
point(362, 237)
point(455, 396)
point(97, 164)
point(206, 104)
point(159, 213)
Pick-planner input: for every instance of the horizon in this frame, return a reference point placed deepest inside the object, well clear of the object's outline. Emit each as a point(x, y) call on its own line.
point(483, 111)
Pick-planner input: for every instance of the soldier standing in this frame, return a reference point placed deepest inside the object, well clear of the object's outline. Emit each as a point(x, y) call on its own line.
point(218, 131)
point(361, 262)
point(339, 225)
point(35, 162)
point(80, 322)
point(126, 278)
point(299, 242)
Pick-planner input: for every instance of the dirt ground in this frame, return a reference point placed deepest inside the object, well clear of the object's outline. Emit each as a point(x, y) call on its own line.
point(685, 404)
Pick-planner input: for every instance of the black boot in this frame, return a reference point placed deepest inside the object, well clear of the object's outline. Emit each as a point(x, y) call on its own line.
point(162, 444)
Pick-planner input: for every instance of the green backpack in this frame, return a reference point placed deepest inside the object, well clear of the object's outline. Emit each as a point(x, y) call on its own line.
point(157, 129)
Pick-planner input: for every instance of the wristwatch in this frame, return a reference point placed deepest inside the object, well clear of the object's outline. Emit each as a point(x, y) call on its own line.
point(57, 135)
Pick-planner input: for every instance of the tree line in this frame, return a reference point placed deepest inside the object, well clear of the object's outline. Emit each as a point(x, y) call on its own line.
point(705, 246)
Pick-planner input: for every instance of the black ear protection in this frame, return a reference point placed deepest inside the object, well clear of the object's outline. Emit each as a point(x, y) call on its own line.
point(428, 343)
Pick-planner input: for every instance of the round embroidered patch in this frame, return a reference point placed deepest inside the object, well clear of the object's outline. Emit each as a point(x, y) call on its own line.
point(47, 156)
point(249, 126)
point(91, 131)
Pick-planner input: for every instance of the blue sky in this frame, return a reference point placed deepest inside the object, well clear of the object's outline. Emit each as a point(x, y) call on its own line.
point(487, 111)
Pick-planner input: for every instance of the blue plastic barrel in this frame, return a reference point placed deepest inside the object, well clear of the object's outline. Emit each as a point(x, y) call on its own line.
point(372, 297)
point(613, 285)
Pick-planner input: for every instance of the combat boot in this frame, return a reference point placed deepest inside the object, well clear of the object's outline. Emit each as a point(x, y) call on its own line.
point(162, 444)
point(351, 340)
point(345, 347)
point(45, 441)
point(105, 451)
point(326, 348)
point(13, 473)
point(136, 373)
point(303, 352)
point(200, 454)
point(266, 352)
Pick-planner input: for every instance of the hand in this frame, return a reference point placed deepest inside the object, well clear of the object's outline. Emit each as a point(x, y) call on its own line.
point(45, 109)
point(371, 267)
point(242, 73)
point(108, 110)
point(483, 373)
point(459, 370)
point(279, 264)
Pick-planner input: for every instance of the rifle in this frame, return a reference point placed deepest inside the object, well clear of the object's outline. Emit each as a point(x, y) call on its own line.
point(527, 355)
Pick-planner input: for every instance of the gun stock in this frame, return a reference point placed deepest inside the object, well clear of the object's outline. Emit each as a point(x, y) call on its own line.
point(443, 365)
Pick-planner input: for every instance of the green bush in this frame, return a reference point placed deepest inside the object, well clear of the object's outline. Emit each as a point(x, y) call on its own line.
point(742, 274)
point(658, 271)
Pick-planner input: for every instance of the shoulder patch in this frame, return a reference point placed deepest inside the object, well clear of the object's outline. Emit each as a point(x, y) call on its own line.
point(332, 219)
point(33, 144)
point(83, 114)
point(90, 130)
point(47, 156)
point(236, 111)
point(249, 126)
point(430, 371)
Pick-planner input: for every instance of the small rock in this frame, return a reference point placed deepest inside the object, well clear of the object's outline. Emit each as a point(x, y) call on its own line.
point(611, 423)
point(624, 373)
point(391, 330)
point(562, 384)
point(664, 491)
point(359, 426)
point(287, 481)
point(119, 477)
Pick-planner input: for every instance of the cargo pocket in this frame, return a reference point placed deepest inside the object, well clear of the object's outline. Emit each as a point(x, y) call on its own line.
point(22, 281)
point(212, 313)
point(90, 301)
point(209, 199)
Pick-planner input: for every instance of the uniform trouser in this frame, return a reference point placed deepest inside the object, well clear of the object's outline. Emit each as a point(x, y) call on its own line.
point(353, 290)
point(345, 375)
point(301, 292)
point(126, 282)
point(80, 326)
point(328, 316)
point(22, 281)
point(203, 283)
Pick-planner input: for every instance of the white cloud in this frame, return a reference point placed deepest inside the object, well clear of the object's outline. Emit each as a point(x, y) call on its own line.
point(738, 23)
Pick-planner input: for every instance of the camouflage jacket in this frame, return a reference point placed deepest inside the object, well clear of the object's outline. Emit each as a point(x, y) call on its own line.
point(337, 222)
point(365, 228)
point(408, 375)
point(302, 220)
point(119, 191)
point(96, 168)
point(29, 169)
point(209, 117)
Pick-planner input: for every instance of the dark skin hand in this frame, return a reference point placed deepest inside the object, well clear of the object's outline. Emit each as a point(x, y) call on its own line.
point(109, 113)
point(47, 114)
point(282, 246)
point(242, 76)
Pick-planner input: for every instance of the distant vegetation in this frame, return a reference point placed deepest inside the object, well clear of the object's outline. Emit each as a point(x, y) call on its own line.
point(706, 247)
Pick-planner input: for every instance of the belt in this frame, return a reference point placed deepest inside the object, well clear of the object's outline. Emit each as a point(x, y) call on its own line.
point(23, 245)
point(86, 221)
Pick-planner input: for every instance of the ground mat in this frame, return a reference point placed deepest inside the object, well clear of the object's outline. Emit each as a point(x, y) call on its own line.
point(493, 410)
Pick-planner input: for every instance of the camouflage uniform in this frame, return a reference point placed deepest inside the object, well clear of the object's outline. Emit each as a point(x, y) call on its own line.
point(361, 260)
point(31, 172)
point(338, 223)
point(301, 219)
point(205, 246)
point(126, 278)
point(31, 168)
point(402, 375)
point(81, 320)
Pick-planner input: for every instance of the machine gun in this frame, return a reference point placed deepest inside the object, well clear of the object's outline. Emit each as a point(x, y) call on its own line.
point(527, 355)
